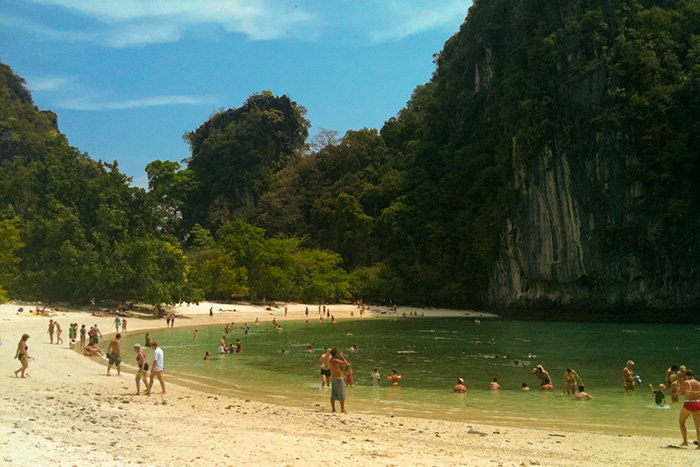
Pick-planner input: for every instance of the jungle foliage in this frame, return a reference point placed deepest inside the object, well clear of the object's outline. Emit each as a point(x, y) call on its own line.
point(413, 213)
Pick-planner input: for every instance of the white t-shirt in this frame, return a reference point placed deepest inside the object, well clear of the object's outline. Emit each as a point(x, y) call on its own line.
point(158, 359)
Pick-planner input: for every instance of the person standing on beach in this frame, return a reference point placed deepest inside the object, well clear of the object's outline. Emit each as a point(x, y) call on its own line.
point(172, 320)
point(22, 354)
point(157, 368)
point(628, 376)
point(59, 331)
point(142, 372)
point(97, 334)
point(51, 330)
point(338, 383)
point(324, 363)
point(124, 325)
point(117, 323)
point(83, 334)
point(114, 354)
point(691, 405)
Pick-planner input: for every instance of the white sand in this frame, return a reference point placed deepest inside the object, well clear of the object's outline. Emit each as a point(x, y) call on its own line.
point(68, 412)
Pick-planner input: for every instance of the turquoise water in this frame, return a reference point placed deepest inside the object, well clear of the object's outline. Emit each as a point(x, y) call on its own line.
point(431, 354)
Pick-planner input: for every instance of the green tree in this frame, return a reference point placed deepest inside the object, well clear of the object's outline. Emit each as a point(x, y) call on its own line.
point(9, 243)
point(237, 153)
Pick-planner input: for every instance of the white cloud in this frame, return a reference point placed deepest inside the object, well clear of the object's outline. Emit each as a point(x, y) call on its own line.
point(128, 23)
point(156, 21)
point(50, 83)
point(405, 18)
point(142, 34)
point(155, 101)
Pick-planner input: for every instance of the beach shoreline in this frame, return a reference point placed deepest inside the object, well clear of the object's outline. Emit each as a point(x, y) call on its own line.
point(68, 412)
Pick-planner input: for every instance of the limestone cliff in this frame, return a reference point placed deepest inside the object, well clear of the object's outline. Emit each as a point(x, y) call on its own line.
point(607, 194)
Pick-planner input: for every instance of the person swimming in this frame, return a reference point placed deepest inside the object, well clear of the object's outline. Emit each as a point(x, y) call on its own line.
point(459, 387)
point(394, 378)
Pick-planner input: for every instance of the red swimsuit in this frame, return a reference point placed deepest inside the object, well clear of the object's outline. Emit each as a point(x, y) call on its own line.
point(693, 406)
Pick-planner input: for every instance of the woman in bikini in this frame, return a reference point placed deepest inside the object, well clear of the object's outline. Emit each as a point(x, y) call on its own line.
point(142, 372)
point(22, 355)
point(675, 386)
point(691, 406)
point(570, 377)
point(628, 376)
point(542, 374)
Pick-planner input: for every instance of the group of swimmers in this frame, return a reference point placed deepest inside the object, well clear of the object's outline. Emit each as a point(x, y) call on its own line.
point(571, 378)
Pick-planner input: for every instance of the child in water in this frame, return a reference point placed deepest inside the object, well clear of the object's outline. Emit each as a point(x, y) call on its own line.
point(348, 375)
point(660, 397)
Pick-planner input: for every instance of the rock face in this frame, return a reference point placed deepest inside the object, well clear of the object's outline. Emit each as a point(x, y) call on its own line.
point(606, 213)
point(554, 248)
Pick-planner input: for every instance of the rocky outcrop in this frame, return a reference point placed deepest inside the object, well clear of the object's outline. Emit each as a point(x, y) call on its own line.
point(554, 250)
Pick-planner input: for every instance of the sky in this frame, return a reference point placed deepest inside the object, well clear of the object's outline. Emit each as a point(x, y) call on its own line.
point(127, 78)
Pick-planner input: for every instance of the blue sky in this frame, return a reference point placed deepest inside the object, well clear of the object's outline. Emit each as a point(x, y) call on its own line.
point(128, 78)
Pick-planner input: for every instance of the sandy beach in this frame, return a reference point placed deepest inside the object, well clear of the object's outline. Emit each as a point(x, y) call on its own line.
point(69, 413)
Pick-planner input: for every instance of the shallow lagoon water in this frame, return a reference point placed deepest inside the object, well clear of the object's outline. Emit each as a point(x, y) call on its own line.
point(431, 353)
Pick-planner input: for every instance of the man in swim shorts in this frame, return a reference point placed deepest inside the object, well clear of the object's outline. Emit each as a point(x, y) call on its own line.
point(338, 384)
point(114, 354)
point(691, 406)
point(324, 363)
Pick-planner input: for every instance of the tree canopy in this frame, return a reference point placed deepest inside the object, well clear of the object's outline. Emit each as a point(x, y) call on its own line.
point(551, 160)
